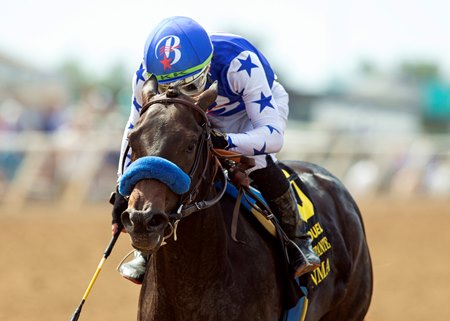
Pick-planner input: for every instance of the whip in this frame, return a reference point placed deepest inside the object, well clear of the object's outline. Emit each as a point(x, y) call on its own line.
point(107, 252)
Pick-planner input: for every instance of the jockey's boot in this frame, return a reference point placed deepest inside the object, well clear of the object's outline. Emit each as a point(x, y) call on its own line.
point(302, 257)
point(134, 270)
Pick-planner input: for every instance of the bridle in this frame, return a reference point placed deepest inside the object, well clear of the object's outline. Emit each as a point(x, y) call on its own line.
point(188, 203)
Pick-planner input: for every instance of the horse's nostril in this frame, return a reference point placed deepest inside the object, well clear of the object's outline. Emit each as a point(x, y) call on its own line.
point(143, 221)
point(126, 221)
point(157, 221)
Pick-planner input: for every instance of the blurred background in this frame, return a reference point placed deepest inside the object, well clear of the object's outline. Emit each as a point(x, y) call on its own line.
point(369, 100)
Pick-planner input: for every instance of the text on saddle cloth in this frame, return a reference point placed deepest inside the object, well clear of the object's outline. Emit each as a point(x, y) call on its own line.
point(320, 240)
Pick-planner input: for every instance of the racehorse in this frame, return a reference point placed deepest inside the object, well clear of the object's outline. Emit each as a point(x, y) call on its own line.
point(176, 199)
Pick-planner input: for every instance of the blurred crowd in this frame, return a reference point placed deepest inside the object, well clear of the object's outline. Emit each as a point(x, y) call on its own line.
point(60, 144)
point(372, 164)
point(45, 145)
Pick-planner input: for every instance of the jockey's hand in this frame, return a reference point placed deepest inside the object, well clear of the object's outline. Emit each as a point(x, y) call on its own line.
point(115, 228)
point(239, 177)
point(120, 204)
point(219, 139)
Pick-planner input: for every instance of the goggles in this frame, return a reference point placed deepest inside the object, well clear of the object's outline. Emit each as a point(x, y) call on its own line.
point(190, 86)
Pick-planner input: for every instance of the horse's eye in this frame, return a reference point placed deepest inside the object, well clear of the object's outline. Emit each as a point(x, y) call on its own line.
point(190, 148)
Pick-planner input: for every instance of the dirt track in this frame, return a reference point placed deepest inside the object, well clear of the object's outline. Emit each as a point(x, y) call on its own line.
point(48, 258)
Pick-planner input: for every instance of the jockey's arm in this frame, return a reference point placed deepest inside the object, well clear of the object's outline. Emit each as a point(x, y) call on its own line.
point(266, 136)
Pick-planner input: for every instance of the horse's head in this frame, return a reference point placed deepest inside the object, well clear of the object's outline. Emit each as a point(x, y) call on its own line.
point(170, 148)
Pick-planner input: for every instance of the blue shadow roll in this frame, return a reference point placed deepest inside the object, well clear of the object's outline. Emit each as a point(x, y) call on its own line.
point(154, 167)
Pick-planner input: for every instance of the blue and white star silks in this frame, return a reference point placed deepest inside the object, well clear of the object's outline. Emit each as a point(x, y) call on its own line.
point(136, 105)
point(251, 108)
point(248, 108)
point(247, 65)
point(140, 74)
point(264, 102)
point(138, 81)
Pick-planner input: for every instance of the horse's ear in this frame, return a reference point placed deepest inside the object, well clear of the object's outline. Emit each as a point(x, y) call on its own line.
point(206, 98)
point(150, 88)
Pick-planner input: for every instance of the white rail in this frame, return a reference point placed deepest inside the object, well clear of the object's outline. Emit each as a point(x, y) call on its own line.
point(70, 168)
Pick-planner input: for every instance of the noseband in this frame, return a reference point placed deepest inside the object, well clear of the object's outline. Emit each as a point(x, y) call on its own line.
point(188, 203)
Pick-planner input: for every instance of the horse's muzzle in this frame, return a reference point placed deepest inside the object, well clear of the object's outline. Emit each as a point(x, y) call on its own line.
point(146, 228)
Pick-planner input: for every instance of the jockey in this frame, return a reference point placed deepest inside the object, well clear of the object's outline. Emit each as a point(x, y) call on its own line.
point(248, 117)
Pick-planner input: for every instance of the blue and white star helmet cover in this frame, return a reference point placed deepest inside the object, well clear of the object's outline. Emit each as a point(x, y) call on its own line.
point(177, 48)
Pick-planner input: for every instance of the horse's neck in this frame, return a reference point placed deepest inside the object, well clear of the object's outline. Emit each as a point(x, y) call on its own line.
point(200, 249)
point(201, 243)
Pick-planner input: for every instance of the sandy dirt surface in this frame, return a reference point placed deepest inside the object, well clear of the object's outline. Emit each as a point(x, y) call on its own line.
point(50, 255)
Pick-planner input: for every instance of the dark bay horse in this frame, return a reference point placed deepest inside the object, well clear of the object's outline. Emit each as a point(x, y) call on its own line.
point(201, 273)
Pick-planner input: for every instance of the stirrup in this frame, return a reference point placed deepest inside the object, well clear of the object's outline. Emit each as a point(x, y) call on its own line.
point(300, 262)
point(133, 270)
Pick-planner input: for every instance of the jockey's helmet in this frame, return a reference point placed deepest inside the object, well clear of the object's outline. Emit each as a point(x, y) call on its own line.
point(179, 50)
